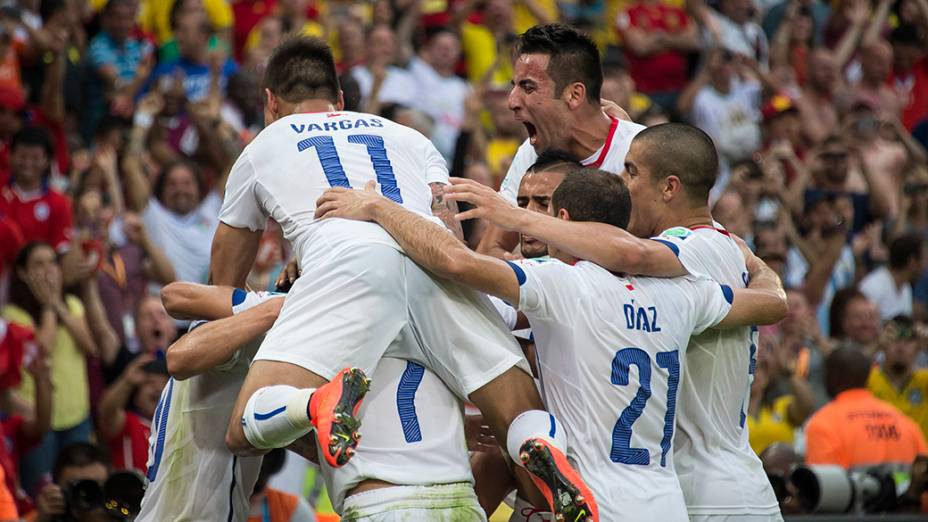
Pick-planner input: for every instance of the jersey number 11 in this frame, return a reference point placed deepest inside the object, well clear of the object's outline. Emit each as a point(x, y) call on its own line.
point(332, 165)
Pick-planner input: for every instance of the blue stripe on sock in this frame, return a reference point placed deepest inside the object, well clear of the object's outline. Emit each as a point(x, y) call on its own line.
point(268, 415)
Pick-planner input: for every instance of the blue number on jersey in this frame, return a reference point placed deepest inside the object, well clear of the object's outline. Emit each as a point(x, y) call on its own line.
point(752, 368)
point(406, 401)
point(160, 423)
point(332, 165)
point(622, 452)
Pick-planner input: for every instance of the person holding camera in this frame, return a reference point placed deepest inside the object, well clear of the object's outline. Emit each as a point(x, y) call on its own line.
point(76, 466)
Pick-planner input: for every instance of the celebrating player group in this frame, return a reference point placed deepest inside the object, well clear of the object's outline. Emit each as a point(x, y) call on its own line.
point(641, 310)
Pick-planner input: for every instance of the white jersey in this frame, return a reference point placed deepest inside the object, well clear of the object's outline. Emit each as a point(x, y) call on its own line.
point(294, 160)
point(610, 354)
point(192, 475)
point(719, 472)
point(610, 157)
point(413, 434)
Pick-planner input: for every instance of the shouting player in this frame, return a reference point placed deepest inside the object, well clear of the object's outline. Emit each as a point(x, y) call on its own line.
point(670, 170)
point(557, 77)
point(591, 329)
point(359, 291)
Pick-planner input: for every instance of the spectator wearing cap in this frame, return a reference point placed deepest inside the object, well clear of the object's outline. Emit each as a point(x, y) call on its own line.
point(724, 102)
point(857, 429)
point(890, 287)
point(42, 213)
point(909, 75)
point(126, 410)
point(782, 128)
point(658, 41)
point(897, 380)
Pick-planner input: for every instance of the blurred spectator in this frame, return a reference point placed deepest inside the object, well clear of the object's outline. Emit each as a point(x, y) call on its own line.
point(11, 240)
point(154, 332)
point(897, 380)
point(890, 287)
point(910, 68)
point(773, 415)
point(806, 346)
point(271, 505)
point(442, 94)
point(854, 320)
point(779, 459)
point(619, 87)
point(775, 17)
point(289, 16)
point(738, 33)
point(876, 62)
point(380, 81)
point(37, 301)
point(856, 429)
point(158, 16)
point(816, 107)
point(726, 106)
point(42, 213)
point(127, 408)
point(192, 67)
point(76, 462)
point(487, 45)
point(658, 40)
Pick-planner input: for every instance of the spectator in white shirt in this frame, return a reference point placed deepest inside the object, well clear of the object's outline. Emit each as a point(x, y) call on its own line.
point(890, 287)
point(739, 33)
point(380, 81)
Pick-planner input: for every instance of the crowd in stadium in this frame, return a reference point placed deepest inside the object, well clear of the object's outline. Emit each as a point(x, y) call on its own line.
point(121, 119)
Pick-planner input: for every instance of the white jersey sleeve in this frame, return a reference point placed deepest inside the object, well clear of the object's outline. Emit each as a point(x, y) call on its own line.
point(545, 289)
point(525, 157)
point(506, 311)
point(240, 207)
point(436, 170)
point(712, 303)
point(698, 252)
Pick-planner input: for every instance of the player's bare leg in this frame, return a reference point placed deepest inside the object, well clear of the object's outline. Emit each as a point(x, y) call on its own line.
point(281, 402)
point(511, 406)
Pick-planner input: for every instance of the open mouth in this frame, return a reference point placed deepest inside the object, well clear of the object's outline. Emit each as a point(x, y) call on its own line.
point(532, 132)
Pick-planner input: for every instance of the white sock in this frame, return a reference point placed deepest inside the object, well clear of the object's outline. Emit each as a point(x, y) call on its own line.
point(534, 424)
point(275, 416)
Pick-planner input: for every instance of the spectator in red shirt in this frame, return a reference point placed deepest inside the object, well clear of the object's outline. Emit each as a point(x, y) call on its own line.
point(42, 213)
point(126, 430)
point(658, 38)
point(11, 240)
point(910, 74)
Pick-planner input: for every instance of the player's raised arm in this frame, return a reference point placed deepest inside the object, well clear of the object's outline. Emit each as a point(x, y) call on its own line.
point(605, 245)
point(425, 242)
point(216, 342)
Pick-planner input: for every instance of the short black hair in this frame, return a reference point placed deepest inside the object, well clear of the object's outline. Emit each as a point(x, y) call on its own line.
point(594, 195)
point(78, 455)
point(903, 249)
point(845, 369)
point(33, 136)
point(573, 57)
point(302, 68)
point(684, 151)
point(555, 160)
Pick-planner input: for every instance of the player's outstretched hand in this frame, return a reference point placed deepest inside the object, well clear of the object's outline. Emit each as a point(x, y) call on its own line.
point(347, 203)
point(488, 203)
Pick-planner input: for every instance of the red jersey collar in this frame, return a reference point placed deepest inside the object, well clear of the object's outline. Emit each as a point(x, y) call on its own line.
point(606, 145)
point(719, 230)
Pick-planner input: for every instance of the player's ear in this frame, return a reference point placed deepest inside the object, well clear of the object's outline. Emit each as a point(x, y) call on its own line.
point(563, 214)
point(271, 107)
point(671, 188)
point(340, 103)
point(574, 95)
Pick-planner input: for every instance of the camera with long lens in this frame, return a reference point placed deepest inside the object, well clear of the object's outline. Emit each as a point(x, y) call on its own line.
point(833, 489)
point(119, 499)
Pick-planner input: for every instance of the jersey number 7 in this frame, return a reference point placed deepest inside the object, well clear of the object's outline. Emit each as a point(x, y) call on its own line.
point(622, 452)
point(332, 165)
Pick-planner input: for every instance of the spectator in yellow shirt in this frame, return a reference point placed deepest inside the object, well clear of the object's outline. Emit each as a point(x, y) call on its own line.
point(155, 17)
point(897, 381)
point(772, 415)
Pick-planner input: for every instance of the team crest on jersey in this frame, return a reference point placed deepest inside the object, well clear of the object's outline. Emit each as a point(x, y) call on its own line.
point(680, 232)
point(915, 397)
point(41, 211)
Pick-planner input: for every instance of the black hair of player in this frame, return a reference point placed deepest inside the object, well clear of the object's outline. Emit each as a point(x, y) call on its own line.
point(573, 57)
point(33, 137)
point(684, 151)
point(79, 455)
point(302, 68)
point(594, 195)
point(555, 160)
point(903, 249)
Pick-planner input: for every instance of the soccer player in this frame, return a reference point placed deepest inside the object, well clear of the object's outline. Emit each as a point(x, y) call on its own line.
point(610, 348)
point(669, 170)
point(535, 190)
point(191, 473)
point(557, 78)
point(363, 291)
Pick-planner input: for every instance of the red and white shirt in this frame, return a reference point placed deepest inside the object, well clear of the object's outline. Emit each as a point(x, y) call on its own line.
point(610, 157)
point(129, 448)
point(42, 215)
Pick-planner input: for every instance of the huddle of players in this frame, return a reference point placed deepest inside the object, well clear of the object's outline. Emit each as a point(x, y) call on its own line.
point(389, 292)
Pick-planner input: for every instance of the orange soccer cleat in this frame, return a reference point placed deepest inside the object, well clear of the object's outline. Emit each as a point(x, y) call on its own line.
point(568, 496)
point(333, 410)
